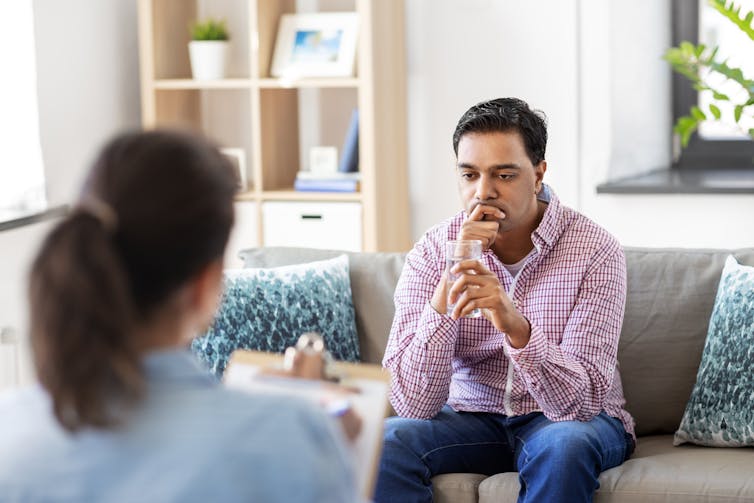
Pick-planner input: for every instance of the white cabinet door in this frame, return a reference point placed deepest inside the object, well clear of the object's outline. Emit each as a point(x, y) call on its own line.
point(334, 226)
point(244, 233)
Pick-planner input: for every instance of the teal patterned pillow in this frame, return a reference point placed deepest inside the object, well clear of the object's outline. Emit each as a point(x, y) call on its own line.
point(268, 309)
point(720, 411)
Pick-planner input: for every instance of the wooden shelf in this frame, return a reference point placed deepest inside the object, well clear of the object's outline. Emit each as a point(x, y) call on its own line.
point(276, 122)
point(307, 83)
point(180, 84)
point(294, 195)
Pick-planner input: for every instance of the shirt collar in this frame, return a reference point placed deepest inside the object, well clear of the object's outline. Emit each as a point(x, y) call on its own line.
point(548, 230)
point(175, 365)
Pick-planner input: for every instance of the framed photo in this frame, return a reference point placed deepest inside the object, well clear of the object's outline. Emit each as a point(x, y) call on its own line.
point(316, 45)
point(238, 157)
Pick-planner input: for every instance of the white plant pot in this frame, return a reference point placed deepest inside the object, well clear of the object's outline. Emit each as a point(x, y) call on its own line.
point(208, 59)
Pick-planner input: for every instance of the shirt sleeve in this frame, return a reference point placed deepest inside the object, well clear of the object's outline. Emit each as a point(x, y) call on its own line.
point(570, 380)
point(420, 348)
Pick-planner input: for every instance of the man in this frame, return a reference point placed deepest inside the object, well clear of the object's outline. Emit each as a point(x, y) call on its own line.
point(531, 386)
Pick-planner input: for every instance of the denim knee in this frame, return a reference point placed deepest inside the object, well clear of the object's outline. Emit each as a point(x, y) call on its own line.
point(563, 442)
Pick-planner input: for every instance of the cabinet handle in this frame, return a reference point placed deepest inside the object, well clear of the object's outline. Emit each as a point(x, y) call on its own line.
point(311, 217)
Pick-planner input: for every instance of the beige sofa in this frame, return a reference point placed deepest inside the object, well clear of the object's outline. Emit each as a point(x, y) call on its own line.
point(670, 298)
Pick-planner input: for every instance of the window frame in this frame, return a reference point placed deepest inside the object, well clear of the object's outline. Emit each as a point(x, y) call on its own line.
point(700, 153)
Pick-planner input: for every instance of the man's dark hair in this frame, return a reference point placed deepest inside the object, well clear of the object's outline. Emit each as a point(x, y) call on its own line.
point(504, 115)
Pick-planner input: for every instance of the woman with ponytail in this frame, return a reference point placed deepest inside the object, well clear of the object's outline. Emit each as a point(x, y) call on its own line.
point(122, 411)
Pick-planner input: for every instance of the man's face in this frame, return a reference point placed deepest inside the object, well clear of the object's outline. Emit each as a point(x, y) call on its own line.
point(494, 170)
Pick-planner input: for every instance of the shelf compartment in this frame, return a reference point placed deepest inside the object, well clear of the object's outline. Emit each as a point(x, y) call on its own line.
point(220, 114)
point(171, 21)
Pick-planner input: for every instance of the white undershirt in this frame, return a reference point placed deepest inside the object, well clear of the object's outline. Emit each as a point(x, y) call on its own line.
point(514, 269)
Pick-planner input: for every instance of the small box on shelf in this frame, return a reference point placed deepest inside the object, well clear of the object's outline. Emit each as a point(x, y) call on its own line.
point(237, 157)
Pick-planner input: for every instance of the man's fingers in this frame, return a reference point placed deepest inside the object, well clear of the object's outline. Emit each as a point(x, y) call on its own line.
point(483, 231)
point(481, 211)
point(472, 265)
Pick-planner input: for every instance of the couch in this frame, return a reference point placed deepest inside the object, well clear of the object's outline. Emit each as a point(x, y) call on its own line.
point(670, 297)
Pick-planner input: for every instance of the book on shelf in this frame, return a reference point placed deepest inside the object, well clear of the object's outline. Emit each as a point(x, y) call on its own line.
point(336, 175)
point(326, 184)
point(306, 181)
point(349, 154)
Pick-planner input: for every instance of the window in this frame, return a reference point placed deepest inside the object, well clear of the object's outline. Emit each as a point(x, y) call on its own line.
point(22, 185)
point(716, 160)
point(713, 146)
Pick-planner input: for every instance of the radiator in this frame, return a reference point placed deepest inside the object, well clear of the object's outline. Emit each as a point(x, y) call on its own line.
point(9, 358)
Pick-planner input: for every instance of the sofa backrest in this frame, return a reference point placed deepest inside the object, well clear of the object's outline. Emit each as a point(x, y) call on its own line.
point(669, 302)
point(670, 297)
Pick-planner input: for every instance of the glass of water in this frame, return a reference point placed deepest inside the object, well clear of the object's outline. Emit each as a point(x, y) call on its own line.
point(455, 252)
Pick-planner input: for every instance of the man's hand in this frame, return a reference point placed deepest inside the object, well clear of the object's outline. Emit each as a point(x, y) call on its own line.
point(482, 224)
point(478, 288)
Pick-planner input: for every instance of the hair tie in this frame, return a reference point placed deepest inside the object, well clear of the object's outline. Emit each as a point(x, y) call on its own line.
point(100, 210)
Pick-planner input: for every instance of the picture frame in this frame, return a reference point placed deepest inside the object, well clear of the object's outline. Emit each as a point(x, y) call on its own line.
point(237, 157)
point(316, 45)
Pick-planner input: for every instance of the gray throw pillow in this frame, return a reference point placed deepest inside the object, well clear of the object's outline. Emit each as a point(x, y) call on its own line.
point(268, 309)
point(720, 411)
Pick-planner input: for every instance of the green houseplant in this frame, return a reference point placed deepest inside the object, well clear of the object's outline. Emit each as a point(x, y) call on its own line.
point(699, 63)
point(209, 29)
point(208, 49)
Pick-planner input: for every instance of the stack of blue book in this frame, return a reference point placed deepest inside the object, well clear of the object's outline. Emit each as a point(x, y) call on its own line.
point(334, 182)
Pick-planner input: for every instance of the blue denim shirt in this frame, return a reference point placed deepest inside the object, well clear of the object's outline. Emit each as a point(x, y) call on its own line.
point(190, 440)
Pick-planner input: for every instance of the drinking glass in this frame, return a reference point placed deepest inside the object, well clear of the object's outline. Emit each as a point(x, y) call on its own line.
point(455, 252)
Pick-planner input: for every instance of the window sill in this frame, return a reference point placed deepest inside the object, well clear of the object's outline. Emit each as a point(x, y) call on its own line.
point(15, 219)
point(683, 181)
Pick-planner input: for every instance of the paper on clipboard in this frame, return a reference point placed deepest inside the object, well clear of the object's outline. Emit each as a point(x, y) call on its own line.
point(245, 371)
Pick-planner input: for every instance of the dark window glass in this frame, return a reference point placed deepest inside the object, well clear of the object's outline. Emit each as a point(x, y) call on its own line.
point(713, 146)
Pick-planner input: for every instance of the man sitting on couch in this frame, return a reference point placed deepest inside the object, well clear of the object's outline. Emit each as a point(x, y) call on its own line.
point(531, 386)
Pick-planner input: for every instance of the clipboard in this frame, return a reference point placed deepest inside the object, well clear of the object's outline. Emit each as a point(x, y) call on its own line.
point(367, 384)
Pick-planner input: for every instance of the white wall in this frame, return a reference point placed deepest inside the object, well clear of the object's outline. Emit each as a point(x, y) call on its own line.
point(460, 53)
point(88, 83)
point(88, 89)
point(626, 118)
point(595, 68)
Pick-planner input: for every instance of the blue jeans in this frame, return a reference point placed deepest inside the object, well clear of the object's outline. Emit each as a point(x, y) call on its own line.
point(556, 461)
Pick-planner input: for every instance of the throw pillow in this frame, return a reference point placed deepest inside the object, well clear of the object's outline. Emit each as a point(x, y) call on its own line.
point(268, 309)
point(720, 411)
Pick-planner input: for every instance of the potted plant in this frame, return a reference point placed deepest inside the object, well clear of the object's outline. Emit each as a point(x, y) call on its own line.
point(208, 49)
point(701, 64)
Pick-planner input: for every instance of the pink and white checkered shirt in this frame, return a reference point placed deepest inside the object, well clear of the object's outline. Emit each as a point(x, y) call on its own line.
point(573, 292)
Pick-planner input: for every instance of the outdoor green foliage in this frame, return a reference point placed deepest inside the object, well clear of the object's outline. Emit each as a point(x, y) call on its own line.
point(696, 62)
point(210, 29)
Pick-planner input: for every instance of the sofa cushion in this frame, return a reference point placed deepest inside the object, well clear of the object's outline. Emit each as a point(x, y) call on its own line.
point(720, 411)
point(267, 309)
point(669, 302)
point(658, 472)
point(456, 487)
point(373, 280)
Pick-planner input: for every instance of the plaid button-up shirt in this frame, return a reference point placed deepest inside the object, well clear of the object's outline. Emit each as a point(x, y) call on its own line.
point(572, 290)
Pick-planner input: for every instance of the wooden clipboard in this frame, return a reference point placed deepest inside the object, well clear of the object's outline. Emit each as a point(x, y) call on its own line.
point(368, 383)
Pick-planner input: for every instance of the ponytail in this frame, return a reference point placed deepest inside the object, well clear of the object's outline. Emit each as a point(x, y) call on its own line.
point(135, 238)
point(82, 318)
